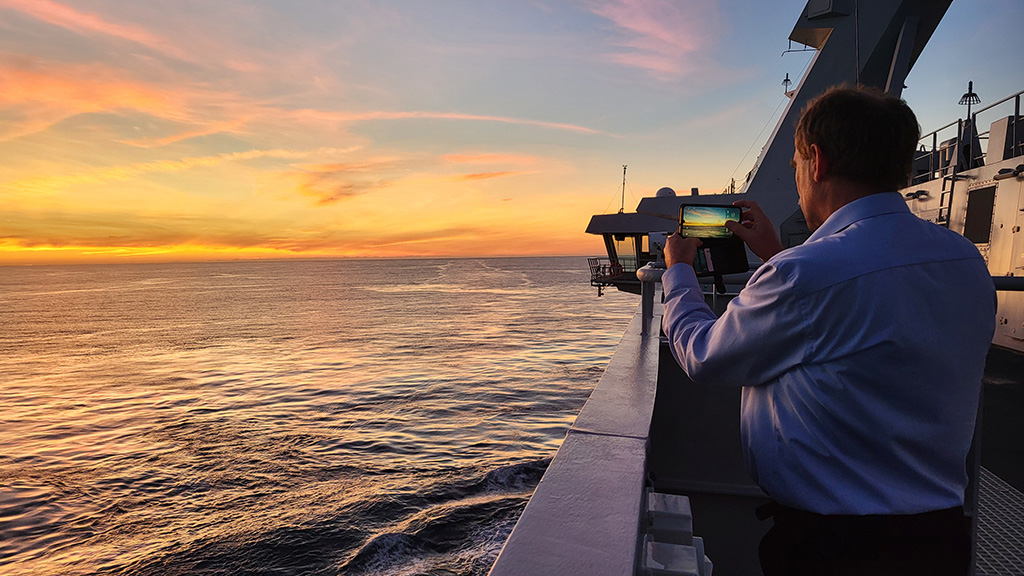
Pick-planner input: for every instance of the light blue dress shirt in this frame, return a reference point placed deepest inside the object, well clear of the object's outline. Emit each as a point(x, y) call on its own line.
point(861, 355)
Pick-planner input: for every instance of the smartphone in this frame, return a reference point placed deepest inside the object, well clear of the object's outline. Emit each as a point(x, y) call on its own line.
point(704, 222)
point(721, 251)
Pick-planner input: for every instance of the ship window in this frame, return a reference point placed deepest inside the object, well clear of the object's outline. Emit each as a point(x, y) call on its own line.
point(978, 223)
point(625, 250)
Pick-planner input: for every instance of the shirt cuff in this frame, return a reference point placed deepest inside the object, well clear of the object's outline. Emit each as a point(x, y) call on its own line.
point(679, 275)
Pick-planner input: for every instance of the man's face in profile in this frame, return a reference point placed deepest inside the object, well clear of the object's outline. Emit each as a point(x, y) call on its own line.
point(802, 176)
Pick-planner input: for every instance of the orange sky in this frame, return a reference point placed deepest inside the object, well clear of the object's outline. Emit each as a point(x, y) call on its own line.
point(195, 131)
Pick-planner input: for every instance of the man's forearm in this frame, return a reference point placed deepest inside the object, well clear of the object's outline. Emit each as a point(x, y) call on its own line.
point(684, 303)
point(761, 334)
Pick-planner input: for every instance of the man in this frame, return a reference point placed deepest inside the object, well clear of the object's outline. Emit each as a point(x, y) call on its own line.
point(860, 353)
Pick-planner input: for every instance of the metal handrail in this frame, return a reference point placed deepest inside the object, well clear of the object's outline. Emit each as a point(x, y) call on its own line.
point(1009, 283)
point(934, 133)
point(994, 104)
point(975, 113)
point(604, 270)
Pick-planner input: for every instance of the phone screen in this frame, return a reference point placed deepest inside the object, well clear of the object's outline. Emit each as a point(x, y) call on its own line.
point(708, 221)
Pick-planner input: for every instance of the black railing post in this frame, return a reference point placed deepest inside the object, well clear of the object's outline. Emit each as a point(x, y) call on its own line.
point(1016, 117)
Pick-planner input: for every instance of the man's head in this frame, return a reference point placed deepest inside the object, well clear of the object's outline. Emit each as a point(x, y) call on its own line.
point(867, 137)
point(856, 138)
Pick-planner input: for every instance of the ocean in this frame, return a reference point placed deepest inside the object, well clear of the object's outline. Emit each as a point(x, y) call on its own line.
point(289, 417)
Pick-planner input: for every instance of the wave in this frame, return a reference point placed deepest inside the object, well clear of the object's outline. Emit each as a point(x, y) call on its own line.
point(446, 537)
point(459, 533)
point(308, 550)
point(520, 476)
point(452, 527)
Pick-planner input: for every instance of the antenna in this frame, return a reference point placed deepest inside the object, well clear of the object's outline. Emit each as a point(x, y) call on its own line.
point(856, 35)
point(622, 206)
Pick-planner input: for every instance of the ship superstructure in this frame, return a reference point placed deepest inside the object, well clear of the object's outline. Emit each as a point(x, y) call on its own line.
point(650, 478)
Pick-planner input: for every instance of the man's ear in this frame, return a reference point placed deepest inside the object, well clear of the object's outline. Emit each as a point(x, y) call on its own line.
point(819, 164)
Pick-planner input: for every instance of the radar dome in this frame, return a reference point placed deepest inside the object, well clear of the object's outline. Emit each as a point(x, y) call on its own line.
point(664, 192)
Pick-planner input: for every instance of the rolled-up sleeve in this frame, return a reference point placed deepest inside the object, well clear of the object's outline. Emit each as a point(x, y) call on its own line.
point(762, 333)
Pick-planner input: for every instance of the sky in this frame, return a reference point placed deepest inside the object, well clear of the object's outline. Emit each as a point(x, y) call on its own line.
point(196, 130)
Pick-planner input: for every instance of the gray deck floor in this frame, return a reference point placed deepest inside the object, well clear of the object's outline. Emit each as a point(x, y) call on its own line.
point(1000, 528)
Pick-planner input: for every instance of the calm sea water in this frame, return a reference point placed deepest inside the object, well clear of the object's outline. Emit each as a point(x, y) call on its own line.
point(302, 417)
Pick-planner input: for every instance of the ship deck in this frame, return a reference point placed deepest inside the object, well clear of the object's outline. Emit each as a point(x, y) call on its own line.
point(1000, 527)
point(587, 514)
point(1000, 535)
point(695, 452)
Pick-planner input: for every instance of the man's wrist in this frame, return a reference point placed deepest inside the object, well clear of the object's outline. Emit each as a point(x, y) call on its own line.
point(675, 275)
point(669, 264)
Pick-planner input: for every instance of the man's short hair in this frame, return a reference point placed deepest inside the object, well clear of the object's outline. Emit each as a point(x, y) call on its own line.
point(866, 136)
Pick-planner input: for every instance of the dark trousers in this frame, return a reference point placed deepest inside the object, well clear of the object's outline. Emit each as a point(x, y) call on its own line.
point(805, 544)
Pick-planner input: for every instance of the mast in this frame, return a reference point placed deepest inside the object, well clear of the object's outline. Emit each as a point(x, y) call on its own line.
point(622, 206)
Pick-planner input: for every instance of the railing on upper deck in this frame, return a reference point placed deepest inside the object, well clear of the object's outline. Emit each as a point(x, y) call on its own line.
point(943, 158)
point(604, 270)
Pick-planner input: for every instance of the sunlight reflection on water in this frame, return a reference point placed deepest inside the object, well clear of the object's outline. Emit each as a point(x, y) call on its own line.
point(315, 417)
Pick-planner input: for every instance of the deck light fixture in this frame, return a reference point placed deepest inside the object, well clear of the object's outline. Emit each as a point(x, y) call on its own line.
point(969, 98)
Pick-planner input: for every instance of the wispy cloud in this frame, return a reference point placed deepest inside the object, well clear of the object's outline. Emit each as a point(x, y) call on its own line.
point(43, 95)
point(80, 22)
point(229, 125)
point(113, 229)
point(329, 183)
point(127, 235)
point(483, 176)
point(490, 158)
point(352, 117)
point(729, 116)
point(664, 37)
point(459, 233)
point(42, 184)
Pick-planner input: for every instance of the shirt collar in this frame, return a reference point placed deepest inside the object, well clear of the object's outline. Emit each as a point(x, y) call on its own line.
point(860, 209)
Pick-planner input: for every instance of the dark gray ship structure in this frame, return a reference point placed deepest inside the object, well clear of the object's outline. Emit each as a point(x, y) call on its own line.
point(650, 479)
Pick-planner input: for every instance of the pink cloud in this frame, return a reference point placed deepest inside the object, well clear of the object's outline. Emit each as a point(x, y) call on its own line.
point(43, 95)
point(83, 22)
point(100, 175)
point(487, 158)
point(332, 182)
point(346, 117)
point(483, 176)
point(664, 37)
point(236, 124)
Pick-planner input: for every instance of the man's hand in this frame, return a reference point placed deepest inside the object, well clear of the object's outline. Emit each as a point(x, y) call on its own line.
point(756, 230)
point(679, 249)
